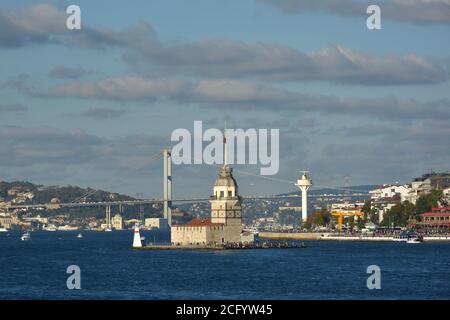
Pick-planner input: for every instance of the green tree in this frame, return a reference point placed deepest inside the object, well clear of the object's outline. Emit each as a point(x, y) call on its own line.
point(428, 201)
point(321, 218)
point(400, 215)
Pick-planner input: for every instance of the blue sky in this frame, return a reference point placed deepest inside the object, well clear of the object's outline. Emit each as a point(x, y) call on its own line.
point(370, 104)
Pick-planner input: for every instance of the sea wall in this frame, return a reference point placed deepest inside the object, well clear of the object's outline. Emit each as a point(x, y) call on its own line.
point(333, 237)
point(292, 236)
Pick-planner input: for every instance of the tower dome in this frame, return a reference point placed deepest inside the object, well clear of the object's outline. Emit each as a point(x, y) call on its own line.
point(225, 177)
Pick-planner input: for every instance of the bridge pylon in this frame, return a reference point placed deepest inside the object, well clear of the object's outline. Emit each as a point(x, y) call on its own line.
point(167, 185)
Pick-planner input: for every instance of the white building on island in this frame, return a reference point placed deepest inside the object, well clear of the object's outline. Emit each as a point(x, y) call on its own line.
point(225, 224)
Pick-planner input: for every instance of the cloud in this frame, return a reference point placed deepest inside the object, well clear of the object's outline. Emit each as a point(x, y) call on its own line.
point(227, 58)
point(220, 58)
point(130, 87)
point(102, 113)
point(27, 146)
point(243, 94)
point(396, 154)
point(411, 11)
point(12, 108)
point(30, 25)
point(46, 24)
point(62, 72)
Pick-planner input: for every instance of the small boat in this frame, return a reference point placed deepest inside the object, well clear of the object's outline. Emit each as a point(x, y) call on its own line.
point(3, 230)
point(67, 228)
point(26, 236)
point(50, 228)
point(108, 230)
point(79, 236)
point(415, 239)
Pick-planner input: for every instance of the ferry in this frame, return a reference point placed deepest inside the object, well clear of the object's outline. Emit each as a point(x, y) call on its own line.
point(3, 230)
point(49, 228)
point(67, 228)
point(26, 236)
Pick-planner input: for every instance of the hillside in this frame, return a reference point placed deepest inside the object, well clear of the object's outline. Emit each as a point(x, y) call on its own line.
point(28, 193)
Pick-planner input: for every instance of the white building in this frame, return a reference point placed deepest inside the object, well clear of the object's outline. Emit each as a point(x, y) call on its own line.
point(390, 191)
point(117, 222)
point(387, 196)
point(446, 193)
point(417, 189)
point(346, 206)
point(156, 223)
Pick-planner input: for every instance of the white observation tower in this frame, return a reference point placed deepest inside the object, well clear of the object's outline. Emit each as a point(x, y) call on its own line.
point(304, 184)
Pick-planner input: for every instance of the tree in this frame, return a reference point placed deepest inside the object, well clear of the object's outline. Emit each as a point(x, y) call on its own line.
point(428, 201)
point(370, 214)
point(399, 215)
point(321, 218)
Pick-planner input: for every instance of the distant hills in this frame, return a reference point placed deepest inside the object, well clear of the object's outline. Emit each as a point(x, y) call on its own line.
point(44, 194)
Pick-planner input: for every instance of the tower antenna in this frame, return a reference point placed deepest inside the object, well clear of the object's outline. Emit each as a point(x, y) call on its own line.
point(225, 153)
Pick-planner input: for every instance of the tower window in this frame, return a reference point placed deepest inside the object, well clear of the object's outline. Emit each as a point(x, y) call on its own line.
point(230, 193)
point(221, 194)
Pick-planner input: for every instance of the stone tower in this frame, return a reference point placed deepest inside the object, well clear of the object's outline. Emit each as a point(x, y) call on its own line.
point(225, 202)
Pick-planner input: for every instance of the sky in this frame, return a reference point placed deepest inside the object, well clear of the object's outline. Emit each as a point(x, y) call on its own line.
point(94, 107)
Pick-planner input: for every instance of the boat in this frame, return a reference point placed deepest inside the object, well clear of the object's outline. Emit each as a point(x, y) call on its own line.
point(414, 239)
point(67, 228)
point(108, 230)
point(49, 228)
point(79, 236)
point(26, 236)
point(3, 230)
point(402, 237)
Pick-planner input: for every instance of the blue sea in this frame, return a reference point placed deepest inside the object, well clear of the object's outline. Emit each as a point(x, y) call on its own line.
point(110, 269)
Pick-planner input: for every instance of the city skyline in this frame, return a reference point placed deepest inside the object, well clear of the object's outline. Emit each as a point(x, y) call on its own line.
point(91, 107)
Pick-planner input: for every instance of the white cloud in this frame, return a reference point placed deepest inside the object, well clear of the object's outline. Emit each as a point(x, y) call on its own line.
point(412, 11)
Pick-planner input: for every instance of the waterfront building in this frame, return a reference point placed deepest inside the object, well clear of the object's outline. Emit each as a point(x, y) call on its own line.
point(156, 223)
point(117, 222)
point(225, 224)
point(5, 221)
point(436, 218)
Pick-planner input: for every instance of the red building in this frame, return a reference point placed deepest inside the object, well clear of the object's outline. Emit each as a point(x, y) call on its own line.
point(436, 218)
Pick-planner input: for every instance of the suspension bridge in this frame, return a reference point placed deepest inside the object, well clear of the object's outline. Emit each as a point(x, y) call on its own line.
point(167, 199)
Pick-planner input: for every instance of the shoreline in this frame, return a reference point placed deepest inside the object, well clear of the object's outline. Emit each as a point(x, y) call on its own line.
point(333, 237)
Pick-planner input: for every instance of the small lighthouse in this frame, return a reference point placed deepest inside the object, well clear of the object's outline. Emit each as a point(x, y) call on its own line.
point(304, 184)
point(137, 237)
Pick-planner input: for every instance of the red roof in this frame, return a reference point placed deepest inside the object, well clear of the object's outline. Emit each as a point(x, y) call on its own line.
point(437, 212)
point(201, 223)
point(435, 223)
